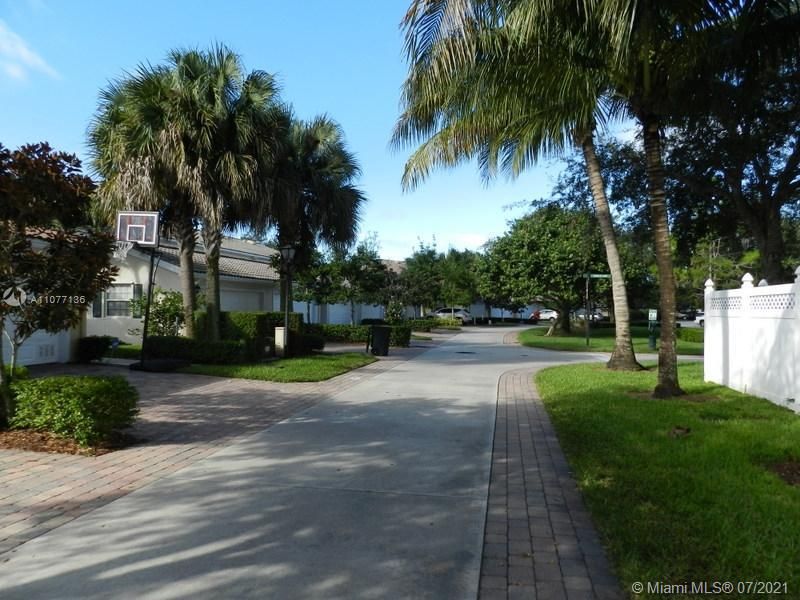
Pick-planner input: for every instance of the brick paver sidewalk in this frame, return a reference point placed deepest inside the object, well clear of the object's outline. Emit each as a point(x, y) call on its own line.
point(182, 419)
point(539, 542)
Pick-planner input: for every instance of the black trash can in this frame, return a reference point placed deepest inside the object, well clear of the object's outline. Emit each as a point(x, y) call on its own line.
point(380, 340)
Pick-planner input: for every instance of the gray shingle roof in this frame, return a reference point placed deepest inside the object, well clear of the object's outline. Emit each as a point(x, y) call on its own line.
point(238, 258)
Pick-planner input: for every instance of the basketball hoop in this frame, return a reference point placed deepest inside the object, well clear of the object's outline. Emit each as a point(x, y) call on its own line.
point(121, 250)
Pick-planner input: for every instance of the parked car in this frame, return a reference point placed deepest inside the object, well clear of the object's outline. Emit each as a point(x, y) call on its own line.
point(535, 317)
point(461, 314)
point(700, 319)
point(548, 314)
point(594, 316)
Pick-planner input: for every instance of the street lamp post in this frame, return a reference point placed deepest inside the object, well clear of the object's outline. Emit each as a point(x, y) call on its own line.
point(287, 256)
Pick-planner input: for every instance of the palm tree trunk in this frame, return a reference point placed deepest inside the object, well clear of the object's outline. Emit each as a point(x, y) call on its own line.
point(5, 392)
point(212, 239)
point(186, 241)
point(667, 356)
point(623, 357)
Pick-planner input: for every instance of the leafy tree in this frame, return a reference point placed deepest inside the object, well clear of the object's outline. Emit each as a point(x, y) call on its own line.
point(315, 282)
point(363, 276)
point(166, 312)
point(51, 263)
point(459, 280)
point(543, 257)
point(422, 277)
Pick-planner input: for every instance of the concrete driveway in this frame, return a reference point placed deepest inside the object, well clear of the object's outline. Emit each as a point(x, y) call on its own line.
point(377, 491)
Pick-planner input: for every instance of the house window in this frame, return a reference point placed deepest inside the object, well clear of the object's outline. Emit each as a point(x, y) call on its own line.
point(116, 301)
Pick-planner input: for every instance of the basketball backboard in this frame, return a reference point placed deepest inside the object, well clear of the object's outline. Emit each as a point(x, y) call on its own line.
point(138, 226)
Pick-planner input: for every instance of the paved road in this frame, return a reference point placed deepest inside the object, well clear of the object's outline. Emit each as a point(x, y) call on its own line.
point(377, 492)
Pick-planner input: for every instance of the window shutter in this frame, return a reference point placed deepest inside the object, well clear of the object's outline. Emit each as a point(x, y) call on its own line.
point(97, 306)
point(137, 295)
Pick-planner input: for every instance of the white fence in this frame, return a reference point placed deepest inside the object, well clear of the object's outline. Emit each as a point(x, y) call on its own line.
point(752, 339)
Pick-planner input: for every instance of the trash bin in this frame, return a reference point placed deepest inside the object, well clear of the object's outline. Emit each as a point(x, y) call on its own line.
point(380, 340)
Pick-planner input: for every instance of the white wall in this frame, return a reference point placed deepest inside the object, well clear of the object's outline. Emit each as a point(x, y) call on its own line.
point(235, 294)
point(752, 340)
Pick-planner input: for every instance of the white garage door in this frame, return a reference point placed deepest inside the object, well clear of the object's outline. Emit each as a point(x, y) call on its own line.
point(241, 300)
point(40, 348)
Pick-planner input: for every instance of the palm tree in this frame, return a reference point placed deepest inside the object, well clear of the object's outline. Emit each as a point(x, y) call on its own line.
point(231, 127)
point(129, 151)
point(478, 88)
point(315, 199)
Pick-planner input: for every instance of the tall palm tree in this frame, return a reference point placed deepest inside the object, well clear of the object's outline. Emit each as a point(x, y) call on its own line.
point(231, 129)
point(315, 199)
point(477, 88)
point(132, 156)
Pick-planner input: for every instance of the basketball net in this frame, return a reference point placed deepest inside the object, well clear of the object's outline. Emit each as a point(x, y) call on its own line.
point(121, 249)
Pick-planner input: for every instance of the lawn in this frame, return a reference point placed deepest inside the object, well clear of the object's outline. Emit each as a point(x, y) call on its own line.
point(681, 489)
point(308, 368)
point(127, 351)
point(601, 340)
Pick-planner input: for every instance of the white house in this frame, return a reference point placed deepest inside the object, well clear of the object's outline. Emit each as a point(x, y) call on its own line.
point(248, 281)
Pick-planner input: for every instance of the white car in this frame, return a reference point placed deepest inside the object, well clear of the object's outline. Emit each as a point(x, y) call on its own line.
point(700, 319)
point(548, 314)
point(460, 314)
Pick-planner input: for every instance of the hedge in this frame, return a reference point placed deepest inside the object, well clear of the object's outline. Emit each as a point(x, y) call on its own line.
point(256, 328)
point(199, 351)
point(86, 409)
point(691, 334)
point(358, 334)
point(92, 348)
point(428, 324)
point(19, 373)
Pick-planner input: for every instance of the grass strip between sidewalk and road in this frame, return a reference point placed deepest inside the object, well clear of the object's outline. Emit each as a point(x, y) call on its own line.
point(682, 490)
point(291, 370)
point(601, 340)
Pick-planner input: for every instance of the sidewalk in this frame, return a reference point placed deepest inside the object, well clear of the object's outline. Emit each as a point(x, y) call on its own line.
point(183, 418)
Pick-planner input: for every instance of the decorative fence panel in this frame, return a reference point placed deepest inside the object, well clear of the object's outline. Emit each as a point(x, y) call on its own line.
point(752, 339)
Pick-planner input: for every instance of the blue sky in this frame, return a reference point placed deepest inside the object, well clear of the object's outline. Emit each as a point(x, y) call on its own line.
point(341, 58)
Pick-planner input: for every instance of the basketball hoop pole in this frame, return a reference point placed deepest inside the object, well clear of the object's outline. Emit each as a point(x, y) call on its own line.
point(147, 306)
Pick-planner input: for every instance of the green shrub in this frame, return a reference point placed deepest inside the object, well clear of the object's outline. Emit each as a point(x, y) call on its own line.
point(19, 373)
point(428, 324)
point(166, 311)
point(358, 334)
point(86, 409)
point(691, 334)
point(354, 334)
point(93, 347)
point(303, 344)
point(255, 328)
point(222, 352)
point(400, 336)
point(373, 322)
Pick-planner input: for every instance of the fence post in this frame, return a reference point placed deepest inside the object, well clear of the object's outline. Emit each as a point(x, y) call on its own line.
point(796, 328)
point(744, 366)
point(712, 343)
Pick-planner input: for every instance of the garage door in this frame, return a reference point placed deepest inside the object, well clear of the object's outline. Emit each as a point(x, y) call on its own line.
point(40, 348)
point(241, 300)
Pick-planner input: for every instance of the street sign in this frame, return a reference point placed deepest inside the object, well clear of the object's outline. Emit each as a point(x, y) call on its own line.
point(652, 315)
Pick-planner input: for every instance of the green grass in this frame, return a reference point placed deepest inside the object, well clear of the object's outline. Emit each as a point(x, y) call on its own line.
point(309, 368)
point(601, 340)
point(701, 507)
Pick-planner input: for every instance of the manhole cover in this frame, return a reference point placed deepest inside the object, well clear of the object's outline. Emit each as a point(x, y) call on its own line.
point(464, 352)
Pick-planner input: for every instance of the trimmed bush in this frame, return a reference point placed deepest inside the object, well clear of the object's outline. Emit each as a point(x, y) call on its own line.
point(19, 373)
point(86, 409)
point(691, 334)
point(358, 334)
point(355, 334)
point(428, 324)
point(303, 344)
point(400, 336)
point(255, 328)
point(222, 352)
point(93, 347)
point(373, 322)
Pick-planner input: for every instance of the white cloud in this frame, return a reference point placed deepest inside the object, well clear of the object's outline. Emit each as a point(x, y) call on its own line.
point(17, 59)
